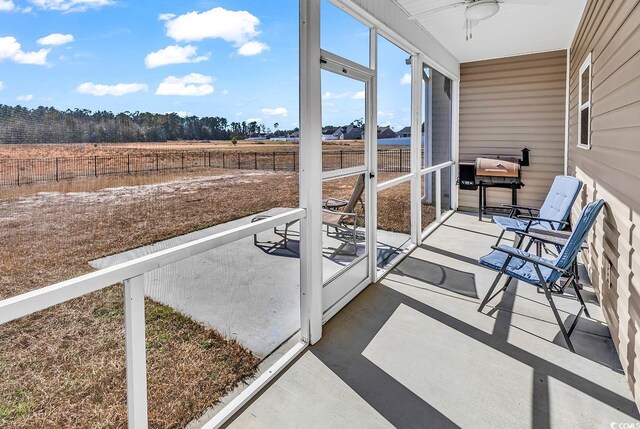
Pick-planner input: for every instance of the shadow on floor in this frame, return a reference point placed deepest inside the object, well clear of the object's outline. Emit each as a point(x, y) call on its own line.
point(348, 334)
point(460, 282)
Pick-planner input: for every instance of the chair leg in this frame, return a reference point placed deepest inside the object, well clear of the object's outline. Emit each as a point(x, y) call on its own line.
point(500, 238)
point(488, 297)
point(579, 295)
point(547, 293)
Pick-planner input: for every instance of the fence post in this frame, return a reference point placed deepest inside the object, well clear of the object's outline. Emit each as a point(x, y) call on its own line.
point(95, 166)
point(223, 165)
point(238, 160)
point(401, 168)
point(135, 352)
point(128, 164)
point(57, 177)
point(294, 161)
point(255, 156)
point(274, 161)
point(157, 162)
point(341, 153)
point(18, 171)
point(209, 159)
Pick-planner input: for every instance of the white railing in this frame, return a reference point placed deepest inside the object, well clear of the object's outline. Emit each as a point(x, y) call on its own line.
point(131, 273)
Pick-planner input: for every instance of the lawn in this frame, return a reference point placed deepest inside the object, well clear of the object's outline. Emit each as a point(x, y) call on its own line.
point(65, 367)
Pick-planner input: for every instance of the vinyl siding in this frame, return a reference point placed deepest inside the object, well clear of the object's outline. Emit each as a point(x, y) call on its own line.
point(611, 168)
point(508, 104)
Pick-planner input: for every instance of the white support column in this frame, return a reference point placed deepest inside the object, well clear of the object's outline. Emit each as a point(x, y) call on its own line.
point(416, 146)
point(371, 135)
point(310, 171)
point(438, 187)
point(455, 144)
point(136, 353)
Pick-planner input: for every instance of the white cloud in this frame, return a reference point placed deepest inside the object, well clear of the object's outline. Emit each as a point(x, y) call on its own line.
point(278, 111)
point(71, 5)
point(336, 96)
point(406, 79)
point(11, 50)
point(166, 16)
point(252, 48)
point(225, 92)
point(1, 85)
point(27, 97)
point(360, 95)
point(7, 5)
point(237, 27)
point(192, 85)
point(174, 54)
point(117, 90)
point(181, 113)
point(56, 39)
point(249, 120)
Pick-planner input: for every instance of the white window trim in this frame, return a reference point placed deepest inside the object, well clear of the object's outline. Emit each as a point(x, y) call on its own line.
point(584, 105)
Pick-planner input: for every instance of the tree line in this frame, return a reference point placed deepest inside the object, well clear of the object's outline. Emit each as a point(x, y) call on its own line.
point(21, 125)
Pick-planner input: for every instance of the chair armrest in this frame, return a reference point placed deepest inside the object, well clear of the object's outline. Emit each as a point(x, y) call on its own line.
point(537, 237)
point(531, 219)
point(533, 260)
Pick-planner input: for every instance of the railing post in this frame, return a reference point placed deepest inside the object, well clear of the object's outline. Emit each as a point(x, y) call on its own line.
point(294, 161)
point(57, 177)
point(18, 171)
point(157, 162)
point(95, 166)
point(341, 153)
point(209, 159)
point(136, 353)
point(274, 161)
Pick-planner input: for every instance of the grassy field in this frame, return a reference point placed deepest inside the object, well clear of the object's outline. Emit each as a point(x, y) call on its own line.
point(64, 367)
point(38, 151)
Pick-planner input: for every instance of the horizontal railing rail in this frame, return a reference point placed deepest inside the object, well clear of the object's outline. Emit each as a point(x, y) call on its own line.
point(41, 299)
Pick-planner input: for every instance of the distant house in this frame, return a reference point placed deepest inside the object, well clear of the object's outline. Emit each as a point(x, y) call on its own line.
point(353, 133)
point(295, 134)
point(405, 132)
point(386, 133)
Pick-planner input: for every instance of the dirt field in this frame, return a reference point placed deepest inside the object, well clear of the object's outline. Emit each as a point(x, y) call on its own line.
point(38, 151)
point(65, 367)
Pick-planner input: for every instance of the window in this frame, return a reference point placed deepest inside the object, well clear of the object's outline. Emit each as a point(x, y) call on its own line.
point(584, 103)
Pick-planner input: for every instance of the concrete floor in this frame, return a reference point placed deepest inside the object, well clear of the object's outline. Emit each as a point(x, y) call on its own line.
point(413, 352)
point(245, 290)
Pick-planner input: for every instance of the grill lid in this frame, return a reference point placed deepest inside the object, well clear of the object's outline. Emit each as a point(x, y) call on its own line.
point(497, 168)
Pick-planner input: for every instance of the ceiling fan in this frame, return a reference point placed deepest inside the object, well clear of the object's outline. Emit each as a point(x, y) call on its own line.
point(474, 11)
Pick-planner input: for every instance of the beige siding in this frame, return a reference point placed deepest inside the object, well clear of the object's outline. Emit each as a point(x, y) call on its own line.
point(511, 103)
point(611, 168)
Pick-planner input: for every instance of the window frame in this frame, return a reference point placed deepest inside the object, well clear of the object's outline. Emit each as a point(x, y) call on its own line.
point(583, 105)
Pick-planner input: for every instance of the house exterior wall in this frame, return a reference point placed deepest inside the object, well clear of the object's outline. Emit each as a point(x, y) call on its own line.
point(508, 104)
point(610, 31)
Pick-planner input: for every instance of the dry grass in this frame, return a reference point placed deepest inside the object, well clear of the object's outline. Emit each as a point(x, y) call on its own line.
point(64, 367)
point(39, 151)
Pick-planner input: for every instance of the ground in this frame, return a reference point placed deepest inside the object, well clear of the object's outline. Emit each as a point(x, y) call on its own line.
point(65, 366)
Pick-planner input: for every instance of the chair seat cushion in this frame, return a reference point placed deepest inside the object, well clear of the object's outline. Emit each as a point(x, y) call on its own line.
point(517, 268)
point(514, 224)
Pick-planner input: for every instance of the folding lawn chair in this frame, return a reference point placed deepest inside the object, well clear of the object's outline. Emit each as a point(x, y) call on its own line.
point(541, 272)
point(552, 215)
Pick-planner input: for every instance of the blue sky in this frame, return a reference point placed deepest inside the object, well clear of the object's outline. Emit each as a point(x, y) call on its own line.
point(231, 58)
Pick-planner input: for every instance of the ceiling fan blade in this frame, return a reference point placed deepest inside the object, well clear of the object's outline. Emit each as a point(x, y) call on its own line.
point(438, 9)
point(529, 2)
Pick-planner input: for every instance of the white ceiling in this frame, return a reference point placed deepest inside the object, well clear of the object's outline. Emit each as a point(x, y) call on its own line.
point(520, 27)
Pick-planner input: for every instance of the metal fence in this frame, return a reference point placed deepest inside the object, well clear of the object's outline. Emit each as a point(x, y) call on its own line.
point(17, 172)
